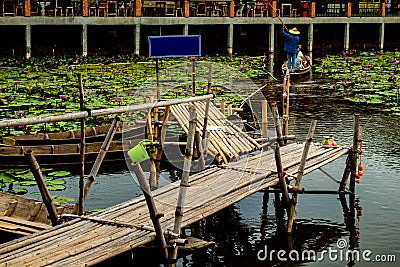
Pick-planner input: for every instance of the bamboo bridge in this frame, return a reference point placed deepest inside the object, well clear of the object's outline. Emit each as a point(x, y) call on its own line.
point(89, 240)
point(161, 213)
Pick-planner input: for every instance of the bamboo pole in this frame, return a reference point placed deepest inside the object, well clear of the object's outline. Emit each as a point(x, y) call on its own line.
point(185, 178)
point(100, 157)
point(154, 216)
point(207, 108)
point(199, 149)
point(283, 24)
point(82, 149)
point(300, 176)
point(229, 108)
point(204, 144)
point(163, 134)
point(100, 112)
point(286, 89)
point(264, 116)
point(354, 152)
point(278, 160)
point(274, 139)
point(346, 173)
point(48, 201)
point(222, 103)
point(117, 223)
point(193, 78)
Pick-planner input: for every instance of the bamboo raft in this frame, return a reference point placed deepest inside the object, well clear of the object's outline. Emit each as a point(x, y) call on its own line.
point(90, 240)
point(226, 139)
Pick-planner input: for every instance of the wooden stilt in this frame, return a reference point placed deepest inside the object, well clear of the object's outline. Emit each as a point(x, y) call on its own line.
point(154, 216)
point(163, 134)
point(278, 160)
point(204, 149)
point(300, 176)
point(222, 104)
point(286, 89)
point(185, 179)
point(82, 150)
point(193, 78)
point(264, 118)
point(229, 108)
point(153, 153)
point(48, 201)
point(354, 152)
point(346, 173)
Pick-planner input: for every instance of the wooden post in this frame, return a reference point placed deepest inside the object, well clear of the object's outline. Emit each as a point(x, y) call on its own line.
point(286, 89)
point(312, 9)
point(82, 149)
point(186, 8)
point(100, 157)
point(222, 103)
point(273, 7)
point(383, 10)
point(199, 150)
point(84, 8)
point(264, 116)
point(278, 160)
point(229, 108)
point(163, 134)
point(138, 8)
point(27, 8)
point(193, 77)
point(154, 216)
point(346, 174)
point(348, 9)
point(185, 178)
point(354, 152)
point(48, 201)
point(232, 9)
point(205, 122)
point(204, 144)
point(300, 176)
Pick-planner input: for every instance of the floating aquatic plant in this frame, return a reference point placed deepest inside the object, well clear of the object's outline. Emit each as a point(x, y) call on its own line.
point(372, 75)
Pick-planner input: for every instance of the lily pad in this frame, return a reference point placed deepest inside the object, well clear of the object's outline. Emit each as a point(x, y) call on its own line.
point(59, 173)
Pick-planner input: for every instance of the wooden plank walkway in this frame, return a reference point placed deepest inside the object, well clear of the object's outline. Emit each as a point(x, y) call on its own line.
point(82, 242)
point(226, 139)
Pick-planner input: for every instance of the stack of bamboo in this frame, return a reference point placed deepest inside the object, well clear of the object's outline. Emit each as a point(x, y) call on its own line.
point(226, 139)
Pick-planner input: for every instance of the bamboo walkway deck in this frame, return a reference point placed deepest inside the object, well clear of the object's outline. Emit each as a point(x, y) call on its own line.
point(226, 139)
point(83, 242)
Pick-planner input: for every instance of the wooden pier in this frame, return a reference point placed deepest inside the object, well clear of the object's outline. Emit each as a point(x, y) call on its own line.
point(86, 241)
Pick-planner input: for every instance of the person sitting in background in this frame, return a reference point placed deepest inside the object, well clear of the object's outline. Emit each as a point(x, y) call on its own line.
point(300, 58)
point(388, 5)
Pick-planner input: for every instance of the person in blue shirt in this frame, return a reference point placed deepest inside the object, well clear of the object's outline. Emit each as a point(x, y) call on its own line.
point(290, 46)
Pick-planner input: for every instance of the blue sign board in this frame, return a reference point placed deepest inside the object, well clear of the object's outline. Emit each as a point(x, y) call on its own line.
point(174, 46)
